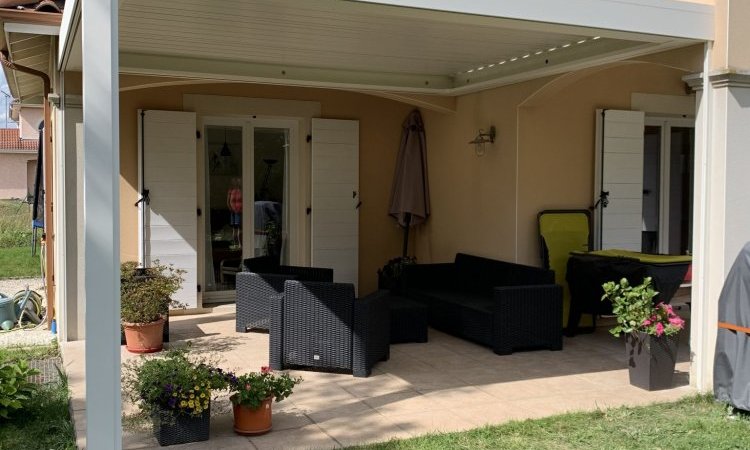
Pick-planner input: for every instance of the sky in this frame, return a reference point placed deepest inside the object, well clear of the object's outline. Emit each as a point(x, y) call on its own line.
point(4, 103)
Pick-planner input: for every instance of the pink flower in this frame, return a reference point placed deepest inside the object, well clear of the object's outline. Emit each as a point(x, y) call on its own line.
point(646, 323)
point(265, 369)
point(676, 321)
point(659, 329)
point(247, 387)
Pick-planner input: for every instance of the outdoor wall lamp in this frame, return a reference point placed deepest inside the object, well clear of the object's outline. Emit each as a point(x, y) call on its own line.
point(482, 139)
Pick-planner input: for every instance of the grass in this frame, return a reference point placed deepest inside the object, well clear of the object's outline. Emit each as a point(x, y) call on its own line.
point(45, 421)
point(15, 223)
point(17, 262)
point(15, 241)
point(15, 354)
point(693, 423)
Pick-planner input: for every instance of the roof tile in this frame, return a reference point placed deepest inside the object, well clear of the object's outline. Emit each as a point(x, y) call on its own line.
point(10, 140)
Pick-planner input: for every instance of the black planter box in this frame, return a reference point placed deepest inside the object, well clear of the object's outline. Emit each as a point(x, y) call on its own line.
point(651, 360)
point(171, 430)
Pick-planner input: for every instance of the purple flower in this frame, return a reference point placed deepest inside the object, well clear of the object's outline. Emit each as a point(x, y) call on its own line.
point(172, 402)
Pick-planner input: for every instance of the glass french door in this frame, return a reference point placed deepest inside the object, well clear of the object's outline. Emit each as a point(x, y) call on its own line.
point(268, 225)
point(247, 199)
point(223, 210)
point(668, 176)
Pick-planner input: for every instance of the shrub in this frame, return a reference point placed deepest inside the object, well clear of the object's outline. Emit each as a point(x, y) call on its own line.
point(251, 389)
point(145, 295)
point(635, 310)
point(174, 382)
point(15, 388)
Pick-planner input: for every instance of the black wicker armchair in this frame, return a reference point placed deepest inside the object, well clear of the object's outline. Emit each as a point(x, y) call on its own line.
point(322, 326)
point(255, 289)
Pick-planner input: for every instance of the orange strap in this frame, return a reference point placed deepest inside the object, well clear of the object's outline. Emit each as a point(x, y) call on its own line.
point(729, 326)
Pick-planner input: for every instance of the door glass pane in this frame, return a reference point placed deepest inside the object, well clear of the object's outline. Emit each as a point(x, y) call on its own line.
point(651, 188)
point(681, 190)
point(270, 158)
point(223, 221)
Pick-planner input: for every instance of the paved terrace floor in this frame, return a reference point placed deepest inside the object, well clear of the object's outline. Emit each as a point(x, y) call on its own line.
point(447, 384)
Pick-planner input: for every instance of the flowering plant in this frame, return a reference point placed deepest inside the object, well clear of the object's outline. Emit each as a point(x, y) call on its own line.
point(252, 388)
point(635, 310)
point(175, 382)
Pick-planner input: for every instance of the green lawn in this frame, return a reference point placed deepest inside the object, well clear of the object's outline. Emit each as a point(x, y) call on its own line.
point(45, 422)
point(693, 423)
point(15, 241)
point(17, 262)
point(15, 223)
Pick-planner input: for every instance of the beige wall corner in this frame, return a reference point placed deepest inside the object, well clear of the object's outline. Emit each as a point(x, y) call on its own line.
point(730, 50)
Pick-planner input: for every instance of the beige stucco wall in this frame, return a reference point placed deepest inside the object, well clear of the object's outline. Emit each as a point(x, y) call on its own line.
point(543, 157)
point(14, 174)
point(29, 119)
point(732, 34)
point(380, 128)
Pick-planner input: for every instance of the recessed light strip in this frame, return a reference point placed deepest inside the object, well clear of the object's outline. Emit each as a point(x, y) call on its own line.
point(530, 54)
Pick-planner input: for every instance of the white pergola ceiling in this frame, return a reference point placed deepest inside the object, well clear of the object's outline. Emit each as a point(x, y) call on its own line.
point(361, 45)
point(33, 51)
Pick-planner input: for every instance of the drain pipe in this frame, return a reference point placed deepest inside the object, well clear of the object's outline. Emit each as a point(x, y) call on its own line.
point(48, 236)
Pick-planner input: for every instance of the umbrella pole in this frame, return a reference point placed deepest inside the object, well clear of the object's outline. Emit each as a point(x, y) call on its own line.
point(407, 220)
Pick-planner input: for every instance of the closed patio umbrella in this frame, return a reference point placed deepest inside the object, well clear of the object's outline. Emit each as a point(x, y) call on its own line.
point(410, 194)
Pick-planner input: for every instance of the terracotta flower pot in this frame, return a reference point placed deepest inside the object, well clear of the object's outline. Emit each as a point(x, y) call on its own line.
point(251, 422)
point(144, 337)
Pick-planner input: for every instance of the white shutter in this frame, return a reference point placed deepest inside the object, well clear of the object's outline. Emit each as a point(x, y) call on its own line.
point(335, 196)
point(619, 171)
point(170, 175)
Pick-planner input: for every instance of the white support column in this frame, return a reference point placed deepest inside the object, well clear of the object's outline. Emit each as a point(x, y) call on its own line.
point(102, 222)
point(700, 342)
point(722, 196)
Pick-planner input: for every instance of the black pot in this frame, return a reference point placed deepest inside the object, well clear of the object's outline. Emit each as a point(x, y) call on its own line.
point(651, 360)
point(181, 429)
point(389, 283)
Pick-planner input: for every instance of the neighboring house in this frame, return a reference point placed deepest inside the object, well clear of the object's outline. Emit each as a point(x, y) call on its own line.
point(17, 165)
point(301, 104)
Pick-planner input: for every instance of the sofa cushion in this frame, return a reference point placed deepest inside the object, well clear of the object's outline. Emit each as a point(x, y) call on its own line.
point(479, 275)
point(453, 299)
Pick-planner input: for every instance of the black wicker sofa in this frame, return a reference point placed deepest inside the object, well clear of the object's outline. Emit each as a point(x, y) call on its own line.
point(499, 304)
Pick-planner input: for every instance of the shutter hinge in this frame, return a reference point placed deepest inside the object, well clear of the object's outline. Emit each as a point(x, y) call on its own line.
point(309, 210)
point(198, 134)
point(309, 138)
point(199, 288)
point(199, 212)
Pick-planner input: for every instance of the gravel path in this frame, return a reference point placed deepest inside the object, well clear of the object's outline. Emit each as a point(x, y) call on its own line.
point(12, 285)
point(24, 338)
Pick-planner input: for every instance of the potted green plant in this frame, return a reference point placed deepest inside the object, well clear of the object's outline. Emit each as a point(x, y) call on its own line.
point(651, 332)
point(145, 299)
point(252, 396)
point(174, 392)
point(389, 277)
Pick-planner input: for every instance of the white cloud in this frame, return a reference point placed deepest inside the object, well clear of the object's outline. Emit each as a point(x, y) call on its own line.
point(5, 102)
